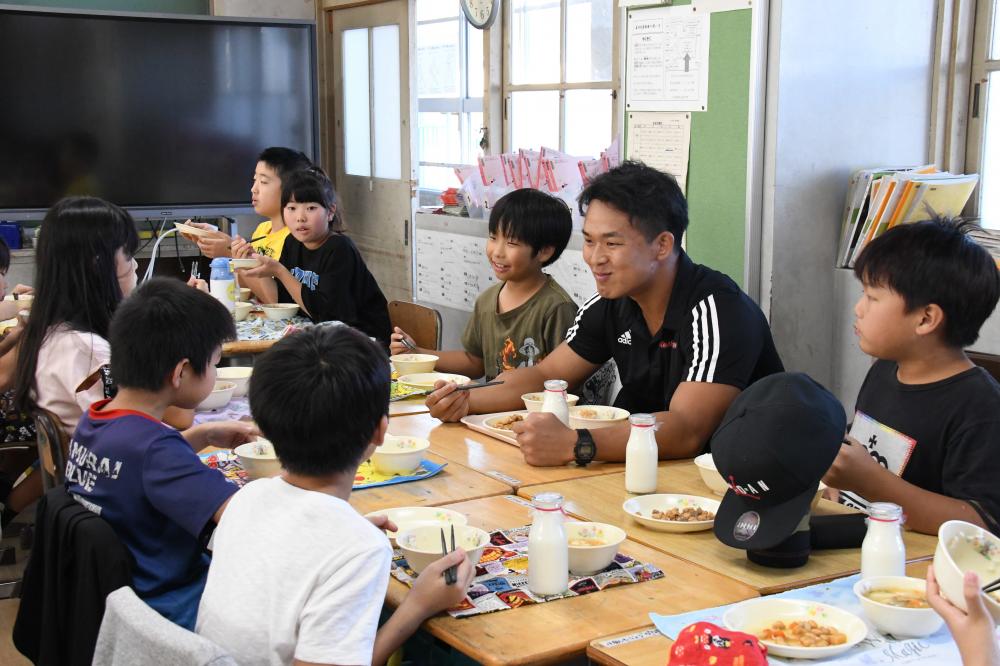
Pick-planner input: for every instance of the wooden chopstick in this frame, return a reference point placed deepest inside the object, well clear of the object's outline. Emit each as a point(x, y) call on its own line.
point(992, 586)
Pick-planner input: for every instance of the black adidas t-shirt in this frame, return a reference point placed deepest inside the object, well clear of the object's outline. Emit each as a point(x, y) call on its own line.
point(711, 332)
point(943, 436)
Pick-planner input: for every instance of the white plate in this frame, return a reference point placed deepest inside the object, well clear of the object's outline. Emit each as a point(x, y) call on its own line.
point(194, 231)
point(488, 423)
point(756, 615)
point(425, 380)
point(646, 504)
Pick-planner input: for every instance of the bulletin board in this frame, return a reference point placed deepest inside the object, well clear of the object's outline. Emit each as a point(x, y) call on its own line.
point(717, 170)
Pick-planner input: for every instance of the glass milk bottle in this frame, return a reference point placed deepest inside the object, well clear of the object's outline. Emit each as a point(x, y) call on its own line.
point(883, 552)
point(554, 401)
point(548, 550)
point(641, 455)
point(222, 285)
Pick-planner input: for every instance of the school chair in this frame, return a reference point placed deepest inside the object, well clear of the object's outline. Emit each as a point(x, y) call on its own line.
point(52, 446)
point(133, 633)
point(421, 322)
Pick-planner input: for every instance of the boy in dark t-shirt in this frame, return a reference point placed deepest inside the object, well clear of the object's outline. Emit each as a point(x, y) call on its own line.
point(141, 475)
point(926, 433)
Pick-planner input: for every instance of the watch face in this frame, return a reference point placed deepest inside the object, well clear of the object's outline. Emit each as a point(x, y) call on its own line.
point(480, 13)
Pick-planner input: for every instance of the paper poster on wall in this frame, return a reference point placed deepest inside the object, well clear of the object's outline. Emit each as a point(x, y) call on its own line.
point(661, 140)
point(667, 59)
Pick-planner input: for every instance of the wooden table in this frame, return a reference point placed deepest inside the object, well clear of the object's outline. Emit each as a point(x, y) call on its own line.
point(600, 498)
point(455, 483)
point(488, 455)
point(408, 406)
point(648, 647)
point(562, 629)
point(242, 347)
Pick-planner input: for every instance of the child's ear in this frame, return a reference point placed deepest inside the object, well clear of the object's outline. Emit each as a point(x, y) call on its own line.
point(377, 437)
point(545, 254)
point(931, 319)
point(180, 371)
point(331, 212)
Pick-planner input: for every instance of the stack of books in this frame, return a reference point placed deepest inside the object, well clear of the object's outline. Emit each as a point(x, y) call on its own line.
point(879, 199)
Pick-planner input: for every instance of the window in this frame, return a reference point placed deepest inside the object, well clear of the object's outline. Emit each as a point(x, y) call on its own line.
point(560, 75)
point(984, 121)
point(449, 92)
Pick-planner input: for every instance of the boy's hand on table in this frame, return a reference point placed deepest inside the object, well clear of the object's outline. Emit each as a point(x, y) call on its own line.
point(382, 522)
point(447, 404)
point(240, 248)
point(544, 440)
point(973, 631)
point(223, 434)
point(854, 468)
point(396, 345)
point(269, 267)
point(432, 594)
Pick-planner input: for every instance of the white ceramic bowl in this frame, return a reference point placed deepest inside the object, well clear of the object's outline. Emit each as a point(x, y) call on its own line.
point(710, 475)
point(587, 559)
point(405, 517)
point(421, 544)
point(246, 263)
point(239, 375)
point(279, 311)
point(533, 401)
point(241, 310)
point(641, 510)
point(219, 397)
point(243, 294)
point(258, 459)
point(954, 537)
point(409, 364)
point(895, 620)
point(192, 230)
point(584, 416)
point(754, 616)
point(425, 380)
point(399, 455)
point(24, 299)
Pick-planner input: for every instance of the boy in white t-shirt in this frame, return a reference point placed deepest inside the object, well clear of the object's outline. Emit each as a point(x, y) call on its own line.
point(297, 575)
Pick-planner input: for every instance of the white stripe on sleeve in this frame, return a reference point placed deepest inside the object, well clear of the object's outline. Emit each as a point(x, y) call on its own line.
point(696, 338)
point(705, 332)
point(571, 332)
point(716, 342)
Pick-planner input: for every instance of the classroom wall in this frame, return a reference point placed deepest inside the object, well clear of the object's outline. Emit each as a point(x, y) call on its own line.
point(281, 9)
point(158, 6)
point(849, 86)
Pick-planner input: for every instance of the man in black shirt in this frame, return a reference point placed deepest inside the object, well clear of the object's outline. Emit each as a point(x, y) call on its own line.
point(685, 338)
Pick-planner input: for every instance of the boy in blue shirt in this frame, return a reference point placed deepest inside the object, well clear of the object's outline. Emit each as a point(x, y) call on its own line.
point(926, 430)
point(143, 476)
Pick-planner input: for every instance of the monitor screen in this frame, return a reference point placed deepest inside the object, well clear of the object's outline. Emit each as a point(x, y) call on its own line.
point(148, 111)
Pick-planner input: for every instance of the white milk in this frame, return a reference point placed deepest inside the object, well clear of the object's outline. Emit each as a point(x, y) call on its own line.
point(641, 455)
point(554, 401)
point(548, 550)
point(883, 552)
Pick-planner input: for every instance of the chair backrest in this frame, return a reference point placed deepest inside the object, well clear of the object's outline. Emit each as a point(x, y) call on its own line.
point(421, 322)
point(52, 446)
point(133, 633)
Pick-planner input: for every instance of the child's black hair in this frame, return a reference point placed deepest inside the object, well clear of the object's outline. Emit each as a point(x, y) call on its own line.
point(4, 257)
point(76, 278)
point(284, 161)
point(652, 199)
point(313, 186)
point(319, 395)
point(533, 217)
point(935, 262)
point(162, 323)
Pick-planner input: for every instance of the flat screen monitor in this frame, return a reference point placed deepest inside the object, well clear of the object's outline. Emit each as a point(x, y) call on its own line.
point(161, 114)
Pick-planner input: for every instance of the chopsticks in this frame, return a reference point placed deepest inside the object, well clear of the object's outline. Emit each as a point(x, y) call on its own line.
point(465, 387)
point(195, 273)
point(451, 573)
point(409, 345)
point(992, 586)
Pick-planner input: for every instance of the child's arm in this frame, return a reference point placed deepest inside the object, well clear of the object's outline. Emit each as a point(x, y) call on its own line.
point(430, 595)
point(8, 357)
point(223, 434)
point(272, 268)
point(459, 362)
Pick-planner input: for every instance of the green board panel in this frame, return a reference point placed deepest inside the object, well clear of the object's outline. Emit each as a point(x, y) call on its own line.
point(717, 171)
point(157, 6)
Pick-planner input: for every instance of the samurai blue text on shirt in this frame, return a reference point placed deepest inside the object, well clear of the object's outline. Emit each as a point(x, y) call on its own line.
point(307, 278)
point(84, 467)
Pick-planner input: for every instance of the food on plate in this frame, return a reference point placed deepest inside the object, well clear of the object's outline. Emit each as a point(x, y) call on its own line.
point(506, 422)
point(585, 541)
point(972, 552)
point(587, 413)
point(898, 597)
point(689, 514)
point(807, 633)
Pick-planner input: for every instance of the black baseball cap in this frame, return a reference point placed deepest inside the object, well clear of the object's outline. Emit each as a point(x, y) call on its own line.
point(777, 440)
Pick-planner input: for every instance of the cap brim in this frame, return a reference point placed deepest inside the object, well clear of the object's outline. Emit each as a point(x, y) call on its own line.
point(774, 523)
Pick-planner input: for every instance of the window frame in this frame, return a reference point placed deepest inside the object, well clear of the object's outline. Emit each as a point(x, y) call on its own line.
point(613, 86)
point(981, 68)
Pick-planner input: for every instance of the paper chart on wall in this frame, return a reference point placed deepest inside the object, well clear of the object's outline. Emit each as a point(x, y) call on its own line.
point(667, 59)
point(452, 270)
point(661, 140)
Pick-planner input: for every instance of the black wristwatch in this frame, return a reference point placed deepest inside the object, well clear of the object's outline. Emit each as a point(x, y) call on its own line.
point(585, 449)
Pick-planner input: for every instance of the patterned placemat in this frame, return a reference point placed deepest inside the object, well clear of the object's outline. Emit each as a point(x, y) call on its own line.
point(262, 328)
point(501, 580)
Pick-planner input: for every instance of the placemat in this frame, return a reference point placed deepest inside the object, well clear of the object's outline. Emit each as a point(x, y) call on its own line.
point(501, 580)
point(237, 409)
point(262, 328)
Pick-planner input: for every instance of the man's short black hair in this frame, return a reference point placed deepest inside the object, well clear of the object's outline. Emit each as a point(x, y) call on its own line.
point(284, 161)
point(162, 323)
point(652, 199)
point(533, 217)
point(319, 395)
point(935, 262)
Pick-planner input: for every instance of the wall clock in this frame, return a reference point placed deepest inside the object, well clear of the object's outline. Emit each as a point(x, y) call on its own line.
point(481, 13)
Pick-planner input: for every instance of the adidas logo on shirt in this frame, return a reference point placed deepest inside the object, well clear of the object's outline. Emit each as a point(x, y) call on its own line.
point(625, 338)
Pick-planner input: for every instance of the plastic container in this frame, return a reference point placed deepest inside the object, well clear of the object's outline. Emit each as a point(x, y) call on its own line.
point(11, 233)
point(222, 283)
point(641, 455)
point(548, 548)
point(883, 552)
